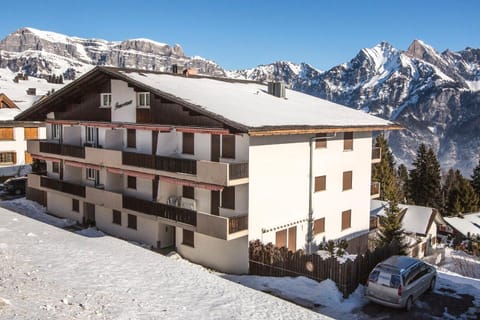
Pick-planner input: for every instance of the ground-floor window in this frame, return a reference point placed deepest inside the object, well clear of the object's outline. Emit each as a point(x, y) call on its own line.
point(117, 217)
point(8, 157)
point(188, 238)
point(132, 222)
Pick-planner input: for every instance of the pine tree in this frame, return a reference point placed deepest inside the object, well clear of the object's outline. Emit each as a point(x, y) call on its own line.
point(476, 179)
point(459, 195)
point(402, 174)
point(425, 181)
point(384, 171)
point(390, 228)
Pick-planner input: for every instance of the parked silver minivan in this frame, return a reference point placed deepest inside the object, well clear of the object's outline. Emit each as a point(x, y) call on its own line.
point(398, 281)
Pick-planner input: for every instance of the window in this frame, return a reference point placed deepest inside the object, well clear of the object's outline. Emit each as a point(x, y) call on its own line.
point(92, 174)
point(188, 143)
point(91, 136)
point(131, 182)
point(228, 198)
point(188, 238)
point(347, 180)
point(106, 100)
point(56, 131)
point(320, 141)
point(55, 167)
point(228, 146)
point(348, 141)
point(30, 133)
point(346, 219)
point(6, 133)
point(131, 138)
point(117, 218)
point(143, 100)
point(281, 238)
point(132, 222)
point(8, 157)
point(320, 183)
point(319, 226)
point(188, 192)
point(75, 205)
point(28, 158)
point(287, 238)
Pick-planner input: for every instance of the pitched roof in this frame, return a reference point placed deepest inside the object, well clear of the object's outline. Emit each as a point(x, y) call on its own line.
point(469, 223)
point(244, 105)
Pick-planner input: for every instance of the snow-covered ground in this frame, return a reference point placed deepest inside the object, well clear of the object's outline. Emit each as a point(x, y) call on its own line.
point(50, 273)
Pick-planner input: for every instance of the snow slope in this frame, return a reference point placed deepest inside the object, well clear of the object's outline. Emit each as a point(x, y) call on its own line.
point(49, 273)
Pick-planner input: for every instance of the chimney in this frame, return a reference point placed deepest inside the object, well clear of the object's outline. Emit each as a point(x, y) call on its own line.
point(276, 89)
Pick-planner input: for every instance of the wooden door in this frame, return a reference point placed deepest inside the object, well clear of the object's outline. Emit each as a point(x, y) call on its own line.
point(215, 148)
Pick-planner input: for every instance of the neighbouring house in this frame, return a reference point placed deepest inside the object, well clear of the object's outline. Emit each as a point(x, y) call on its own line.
point(13, 137)
point(420, 225)
point(466, 224)
point(204, 164)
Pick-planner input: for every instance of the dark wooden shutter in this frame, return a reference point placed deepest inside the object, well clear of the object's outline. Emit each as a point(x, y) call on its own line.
point(131, 182)
point(75, 205)
point(346, 219)
point(228, 146)
point(215, 148)
point(131, 138)
point(319, 226)
point(188, 192)
point(117, 217)
point(281, 238)
point(348, 141)
point(215, 202)
point(347, 180)
point(319, 142)
point(228, 198)
point(188, 238)
point(320, 183)
point(28, 158)
point(292, 238)
point(188, 143)
point(132, 222)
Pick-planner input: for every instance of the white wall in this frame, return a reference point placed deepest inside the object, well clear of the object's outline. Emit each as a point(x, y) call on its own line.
point(19, 144)
point(73, 135)
point(225, 256)
point(73, 174)
point(241, 202)
point(143, 191)
point(113, 139)
point(121, 93)
point(167, 143)
point(279, 185)
point(144, 141)
point(61, 206)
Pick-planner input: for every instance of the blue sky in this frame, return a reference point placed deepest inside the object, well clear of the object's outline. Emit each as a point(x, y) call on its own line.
point(243, 34)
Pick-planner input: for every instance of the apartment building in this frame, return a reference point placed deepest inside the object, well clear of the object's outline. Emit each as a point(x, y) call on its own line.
point(13, 137)
point(204, 164)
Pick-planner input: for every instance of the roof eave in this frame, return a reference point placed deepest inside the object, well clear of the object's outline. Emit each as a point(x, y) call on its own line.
point(293, 130)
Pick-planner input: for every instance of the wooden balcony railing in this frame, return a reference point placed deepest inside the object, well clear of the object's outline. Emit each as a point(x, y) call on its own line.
point(63, 186)
point(376, 154)
point(161, 210)
point(62, 149)
point(159, 162)
point(238, 170)
point(238, 223)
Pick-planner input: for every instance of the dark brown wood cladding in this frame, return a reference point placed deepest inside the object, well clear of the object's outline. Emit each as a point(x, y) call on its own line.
point(347, 180)
point(346, 219)
point(321, 141)
point(320, 183)
point(188, 143)
point(84, 104)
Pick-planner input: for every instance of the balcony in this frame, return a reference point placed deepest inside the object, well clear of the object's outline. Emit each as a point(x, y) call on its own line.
point(63, 186)
point(59, 149)
point(159, 162)
point(222, 227)
point(166, 211)
point(375, 190)
point(376, 155)
point(104, 198)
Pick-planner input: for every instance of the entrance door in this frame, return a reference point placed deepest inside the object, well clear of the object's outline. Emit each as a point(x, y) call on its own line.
point(215, 148)
point(89, 213)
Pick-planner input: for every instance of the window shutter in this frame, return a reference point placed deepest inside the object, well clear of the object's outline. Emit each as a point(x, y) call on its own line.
point(131, 182)
point(281, 238)
point(188, 238)
point(347, 180)
point(228, 198)
point(28, 158)
point(30, 133)
point(292, 238)
point(228, 146)
point(346, 219)
point(131, 138)
point(348, 141)
point(6, 133)
point(320, 183)
point(319, 226)
point(188, 192)
point(188, 140)
point(132, 221)
point(321, 141)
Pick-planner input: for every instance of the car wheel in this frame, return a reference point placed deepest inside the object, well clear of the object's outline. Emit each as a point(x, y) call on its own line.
point(408, 305)
point(432, 285)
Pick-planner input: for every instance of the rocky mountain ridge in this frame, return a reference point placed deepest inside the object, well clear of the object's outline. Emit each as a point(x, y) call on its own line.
point(435, 96)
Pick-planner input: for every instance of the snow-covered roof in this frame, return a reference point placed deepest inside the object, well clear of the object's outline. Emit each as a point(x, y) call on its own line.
point(249, 103)
point(415, 219)
point(470, 223)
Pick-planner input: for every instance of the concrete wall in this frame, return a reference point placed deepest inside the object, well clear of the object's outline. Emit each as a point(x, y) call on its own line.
point(226, 256)
point(61, 206)
point(74, 135)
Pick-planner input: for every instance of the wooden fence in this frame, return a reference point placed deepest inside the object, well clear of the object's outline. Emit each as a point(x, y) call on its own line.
point(268, 260)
